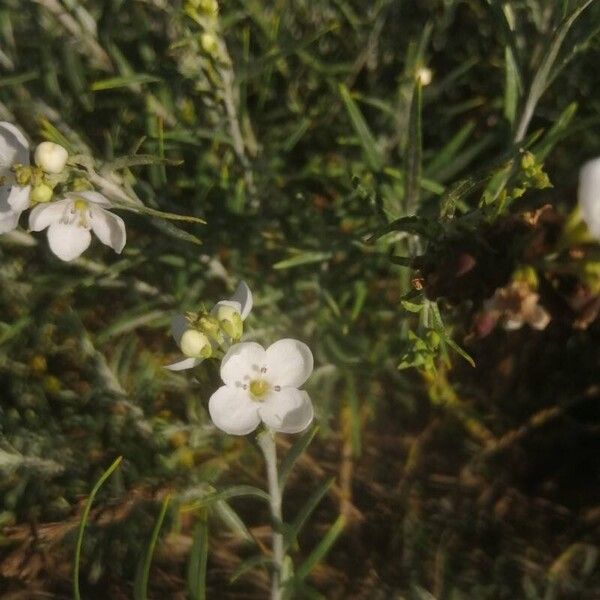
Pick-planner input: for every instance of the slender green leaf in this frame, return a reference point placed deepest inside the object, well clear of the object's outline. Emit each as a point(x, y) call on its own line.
point(294, 452)
point(84, 519)
point(302, 517)
point(361, 128)
point(236, 491)
point(248, 565)
point(196, 570)
point(321, 550)
point(123, 81)
point(140, 590)
point(305, 258)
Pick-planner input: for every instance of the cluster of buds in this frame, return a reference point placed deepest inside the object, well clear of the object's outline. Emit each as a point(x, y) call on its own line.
point(70, 215)
point(206, 333)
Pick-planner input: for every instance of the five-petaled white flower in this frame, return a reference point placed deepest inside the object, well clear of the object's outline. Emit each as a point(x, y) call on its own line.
point(14, 199)
point(194, 343)
point(70, 220)
point(589, 195)
point(262, 385)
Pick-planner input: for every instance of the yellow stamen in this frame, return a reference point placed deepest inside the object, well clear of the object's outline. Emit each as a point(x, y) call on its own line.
point(80, 205)
point(258, 388)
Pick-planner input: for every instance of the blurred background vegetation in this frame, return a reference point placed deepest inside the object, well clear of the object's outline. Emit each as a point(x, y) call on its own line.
point(298, 130)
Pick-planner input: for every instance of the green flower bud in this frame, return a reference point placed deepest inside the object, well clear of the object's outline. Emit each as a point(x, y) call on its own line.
point(230, 321)
point(41, 193)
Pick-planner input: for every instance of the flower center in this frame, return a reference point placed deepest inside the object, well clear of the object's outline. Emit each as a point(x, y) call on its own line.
point(79, 209)
point(258, 388)
point(80, 205)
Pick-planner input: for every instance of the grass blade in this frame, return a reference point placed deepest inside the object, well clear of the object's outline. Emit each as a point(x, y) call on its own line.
point(365, 136)
point(140, 591)
point(321, 550)
point(313, 501)
point(84, 518)
point(196, 572)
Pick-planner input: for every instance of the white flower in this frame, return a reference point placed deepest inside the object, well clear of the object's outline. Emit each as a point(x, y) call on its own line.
point(193, 343)
point(589, 195)
point(14, 199)
point(51, 157)
point(262, 385)
point(69, 222)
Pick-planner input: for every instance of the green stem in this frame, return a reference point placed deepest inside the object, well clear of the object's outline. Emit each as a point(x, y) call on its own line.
point(266, 441)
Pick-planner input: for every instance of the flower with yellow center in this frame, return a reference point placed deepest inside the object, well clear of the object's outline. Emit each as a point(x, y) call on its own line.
point(261, 385)
point(69, 222)
point(226, 316)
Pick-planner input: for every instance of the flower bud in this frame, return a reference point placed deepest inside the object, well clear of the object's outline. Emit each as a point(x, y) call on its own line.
point(195, 344)
point(51, 157)
point(41, 193)
point(424, 75)
point(230, 321)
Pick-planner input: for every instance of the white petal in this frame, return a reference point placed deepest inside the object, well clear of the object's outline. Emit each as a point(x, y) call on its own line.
point(289, 410)
point(186, 363)
point(242, 362)
point(44, 215)
point(14, 147)
point(233, 411)
point(289, 363)
point(9, 221)
point(18, 197)
point(109, 228)
point(589, 195)
point(90, 196)
point(243, 296)
point(179, 325)
point(68, 241)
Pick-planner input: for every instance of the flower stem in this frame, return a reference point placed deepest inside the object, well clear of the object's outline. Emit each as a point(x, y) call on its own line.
point(266, 441)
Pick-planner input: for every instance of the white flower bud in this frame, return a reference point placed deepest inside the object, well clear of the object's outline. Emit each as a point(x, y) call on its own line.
point(195, 344)
point(424, 75)
point(226, 313)
point(51, 157)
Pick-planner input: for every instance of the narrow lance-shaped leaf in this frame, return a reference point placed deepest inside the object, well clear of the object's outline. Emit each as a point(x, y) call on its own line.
point(196, 571)
point(84, 519)
point(140, 591)
point(294, 452)
point(365, 136)
point(544, 74)
point(321, 550)
point(302, 517)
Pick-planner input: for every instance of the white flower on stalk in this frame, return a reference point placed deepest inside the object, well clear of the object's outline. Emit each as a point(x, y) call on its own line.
point(195, 344)
point(51, 157)
point(262, 385)
point(14, 198)
point(69, 222)
point(589, 195)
